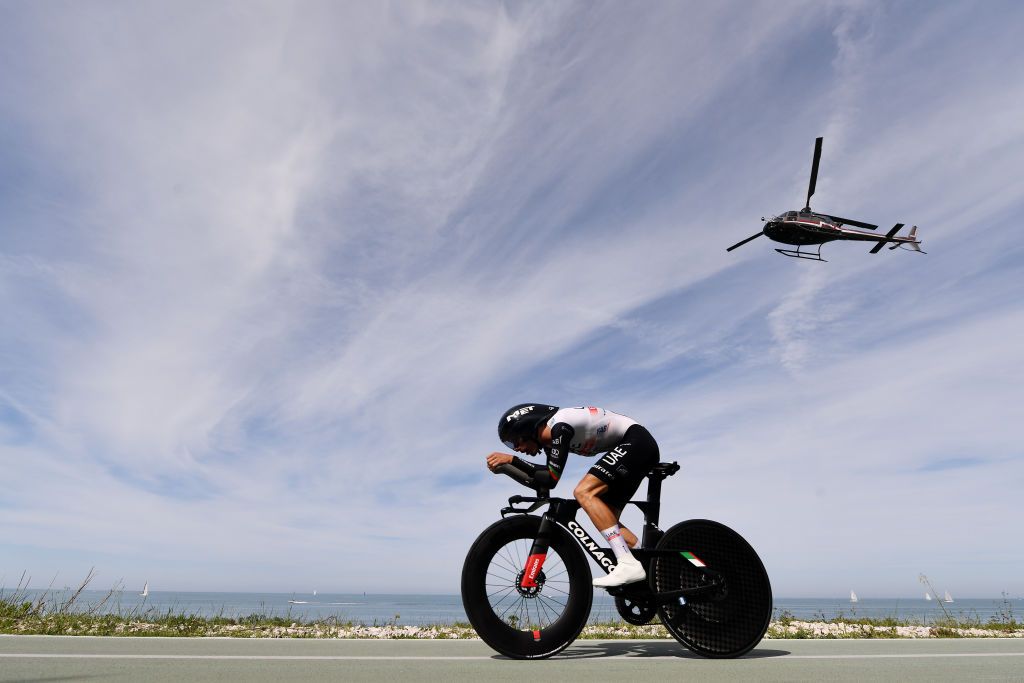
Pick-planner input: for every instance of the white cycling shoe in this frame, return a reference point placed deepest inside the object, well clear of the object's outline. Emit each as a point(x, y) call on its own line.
point(627, 570)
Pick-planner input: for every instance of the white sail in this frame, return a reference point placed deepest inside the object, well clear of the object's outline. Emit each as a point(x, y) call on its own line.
point(853, 597)
point(145, 590)
point(314, 593)
point(927, 596)
point(947, 598)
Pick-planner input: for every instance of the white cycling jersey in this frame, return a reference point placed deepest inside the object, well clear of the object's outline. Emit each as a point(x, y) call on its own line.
point(594, 430)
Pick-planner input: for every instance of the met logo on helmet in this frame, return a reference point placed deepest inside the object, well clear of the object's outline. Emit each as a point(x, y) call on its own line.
point(519, 413)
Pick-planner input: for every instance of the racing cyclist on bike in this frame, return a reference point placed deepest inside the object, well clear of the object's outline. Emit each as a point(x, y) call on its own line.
point(630, 453)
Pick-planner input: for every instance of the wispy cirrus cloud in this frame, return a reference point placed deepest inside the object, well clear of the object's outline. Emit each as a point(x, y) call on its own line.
point(272, 271)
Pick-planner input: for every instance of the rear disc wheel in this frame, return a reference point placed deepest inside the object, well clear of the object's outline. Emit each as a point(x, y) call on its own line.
point(731, 619)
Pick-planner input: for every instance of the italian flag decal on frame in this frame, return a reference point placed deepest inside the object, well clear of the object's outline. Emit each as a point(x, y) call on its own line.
point(694, 560)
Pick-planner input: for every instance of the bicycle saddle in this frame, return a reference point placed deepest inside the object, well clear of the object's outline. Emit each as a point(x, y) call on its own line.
point(664, 469)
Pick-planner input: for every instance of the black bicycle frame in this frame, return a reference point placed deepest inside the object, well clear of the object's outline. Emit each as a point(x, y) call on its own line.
point(562, 511)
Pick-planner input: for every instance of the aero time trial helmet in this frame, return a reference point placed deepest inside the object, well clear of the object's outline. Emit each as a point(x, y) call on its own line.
point(522, 422)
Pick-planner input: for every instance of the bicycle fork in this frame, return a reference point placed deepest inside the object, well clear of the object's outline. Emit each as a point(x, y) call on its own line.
point(538, 553)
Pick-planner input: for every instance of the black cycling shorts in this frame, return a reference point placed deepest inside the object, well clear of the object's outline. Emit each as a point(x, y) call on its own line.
point(626, 465)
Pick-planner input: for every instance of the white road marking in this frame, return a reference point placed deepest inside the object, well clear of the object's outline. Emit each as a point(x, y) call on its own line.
point(29, 655)
point(908, 656)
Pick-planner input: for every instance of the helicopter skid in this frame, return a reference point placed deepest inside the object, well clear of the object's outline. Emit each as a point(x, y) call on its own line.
point(808, 255)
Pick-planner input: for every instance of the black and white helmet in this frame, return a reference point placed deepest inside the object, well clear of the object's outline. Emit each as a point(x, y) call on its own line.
point(523, 422)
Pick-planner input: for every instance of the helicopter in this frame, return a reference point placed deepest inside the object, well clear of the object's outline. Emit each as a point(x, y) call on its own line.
point(806, 227)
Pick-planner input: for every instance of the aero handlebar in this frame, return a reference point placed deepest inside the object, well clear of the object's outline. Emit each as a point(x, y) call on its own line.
point(541, 481)
point(524, 478)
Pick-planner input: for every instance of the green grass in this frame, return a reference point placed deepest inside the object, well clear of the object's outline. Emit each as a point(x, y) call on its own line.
point(52, 613)
point(948, 626)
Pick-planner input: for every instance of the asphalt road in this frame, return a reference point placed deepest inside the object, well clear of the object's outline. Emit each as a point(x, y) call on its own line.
point(78, 658)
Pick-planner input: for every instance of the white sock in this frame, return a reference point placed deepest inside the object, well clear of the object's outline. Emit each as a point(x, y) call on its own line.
point(614, 537)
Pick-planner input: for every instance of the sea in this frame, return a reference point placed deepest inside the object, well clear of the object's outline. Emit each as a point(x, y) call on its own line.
point(419, 610)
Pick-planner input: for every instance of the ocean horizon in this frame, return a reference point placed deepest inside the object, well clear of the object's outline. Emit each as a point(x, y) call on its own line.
point(422, 609)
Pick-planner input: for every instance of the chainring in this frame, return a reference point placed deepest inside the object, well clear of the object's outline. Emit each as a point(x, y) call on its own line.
point(635, 611)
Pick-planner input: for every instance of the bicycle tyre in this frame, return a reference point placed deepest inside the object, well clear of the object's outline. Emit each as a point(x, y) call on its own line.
point(516, 625)
point(735, 620)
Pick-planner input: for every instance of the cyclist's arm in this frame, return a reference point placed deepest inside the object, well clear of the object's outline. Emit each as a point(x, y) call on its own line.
point(526, 465)
point(558, 451)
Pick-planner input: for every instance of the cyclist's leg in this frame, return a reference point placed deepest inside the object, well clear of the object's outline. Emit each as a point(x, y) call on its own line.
point(613, 480)
point(590, 493)
point(631, 539)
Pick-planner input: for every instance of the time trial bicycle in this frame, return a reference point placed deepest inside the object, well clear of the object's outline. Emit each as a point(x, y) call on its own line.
point(526, 582)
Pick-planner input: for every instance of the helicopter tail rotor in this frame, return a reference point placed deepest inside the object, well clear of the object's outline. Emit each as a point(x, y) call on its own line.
point(742, 242)
point(887, 238)
point(814, 172)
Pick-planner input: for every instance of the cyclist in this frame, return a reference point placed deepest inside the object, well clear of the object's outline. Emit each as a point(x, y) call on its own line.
point(629, 454)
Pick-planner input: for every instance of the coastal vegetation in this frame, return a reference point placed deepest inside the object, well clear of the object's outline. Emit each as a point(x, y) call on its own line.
point(61, 613)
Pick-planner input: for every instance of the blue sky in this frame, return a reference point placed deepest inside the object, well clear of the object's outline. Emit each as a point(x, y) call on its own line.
point(269, 273)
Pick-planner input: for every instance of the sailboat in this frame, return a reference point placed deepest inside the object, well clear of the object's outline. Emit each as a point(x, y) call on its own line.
point(927, 595)
point(947, 598)
point(145, 590)
point(300, 602)
point(853, 597)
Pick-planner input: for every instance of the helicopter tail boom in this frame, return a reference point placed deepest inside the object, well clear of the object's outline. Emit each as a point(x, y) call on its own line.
point(911, 242)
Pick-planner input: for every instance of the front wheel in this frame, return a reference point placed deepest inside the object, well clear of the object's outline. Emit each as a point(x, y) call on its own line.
point(732, 617)
point(525, 622)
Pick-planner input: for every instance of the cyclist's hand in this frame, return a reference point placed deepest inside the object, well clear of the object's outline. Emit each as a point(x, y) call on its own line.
point(495, 459)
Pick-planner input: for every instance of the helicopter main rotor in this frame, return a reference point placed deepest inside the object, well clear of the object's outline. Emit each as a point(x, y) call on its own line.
point(814, 173)
point(814, 182)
